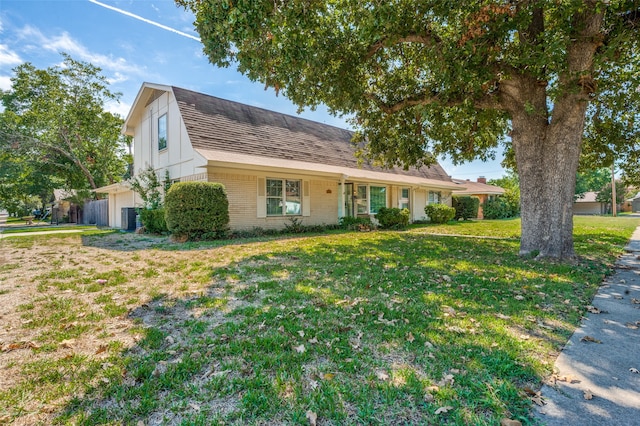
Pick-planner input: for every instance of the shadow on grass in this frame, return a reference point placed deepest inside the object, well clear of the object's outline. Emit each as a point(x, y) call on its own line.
point(358, 328)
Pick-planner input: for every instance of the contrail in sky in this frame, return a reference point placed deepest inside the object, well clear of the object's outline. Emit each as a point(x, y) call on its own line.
point(148, 21)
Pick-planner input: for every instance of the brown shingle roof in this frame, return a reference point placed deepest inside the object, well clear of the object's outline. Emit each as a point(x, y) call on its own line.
point(221, 125)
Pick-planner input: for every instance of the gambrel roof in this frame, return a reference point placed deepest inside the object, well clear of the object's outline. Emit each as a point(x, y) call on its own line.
point(223, 131)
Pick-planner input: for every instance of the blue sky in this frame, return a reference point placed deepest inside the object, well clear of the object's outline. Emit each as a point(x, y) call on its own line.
point(134, 41)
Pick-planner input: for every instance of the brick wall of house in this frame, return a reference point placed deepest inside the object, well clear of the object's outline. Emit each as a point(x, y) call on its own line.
point(242, 193)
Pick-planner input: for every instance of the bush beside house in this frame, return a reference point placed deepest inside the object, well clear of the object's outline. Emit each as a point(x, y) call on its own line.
point(393, 218)
point(197, 210)
point(439, 213)
point(466, 207)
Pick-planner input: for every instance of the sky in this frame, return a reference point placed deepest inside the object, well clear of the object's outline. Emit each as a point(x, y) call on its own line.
point(136, 41)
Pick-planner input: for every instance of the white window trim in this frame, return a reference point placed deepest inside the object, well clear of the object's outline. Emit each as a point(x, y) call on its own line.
point(368, 186)
point(303, 198)
point(166, 139)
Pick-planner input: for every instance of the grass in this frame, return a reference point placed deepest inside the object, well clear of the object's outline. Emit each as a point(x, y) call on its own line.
point(47, 228)
point(411, 327)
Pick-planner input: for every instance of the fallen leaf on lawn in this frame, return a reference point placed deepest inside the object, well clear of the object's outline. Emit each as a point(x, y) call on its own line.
point(301, 333)
point(503, 316)
point(519, 297)
point(312, 417)
point(634, 370)
point(101, 349)
point(536, 397)
point(593, 309)
point(447, 379)
point(382, 375)
point(300, 349)
point(588, 395)
point(328, 376)
point(68, 343)
point(509, 422)
point(446, 278)
point(313, 341)
point(313, 384)
point(428, 397)
point(101, 281)
point(589, 339)
point(444, 409)
point(410, 337)
point(140, 423)
point(428, 345)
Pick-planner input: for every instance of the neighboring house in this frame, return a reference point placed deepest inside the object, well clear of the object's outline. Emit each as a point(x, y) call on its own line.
point(478, 189)
point(274, 166)
point(587, 205)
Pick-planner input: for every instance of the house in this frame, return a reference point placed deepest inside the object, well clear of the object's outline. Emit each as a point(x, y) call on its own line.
point(587, 205)
point(479, 189)
point(274, 166)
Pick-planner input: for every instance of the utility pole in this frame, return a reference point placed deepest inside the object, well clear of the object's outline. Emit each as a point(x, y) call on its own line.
point(614, 206)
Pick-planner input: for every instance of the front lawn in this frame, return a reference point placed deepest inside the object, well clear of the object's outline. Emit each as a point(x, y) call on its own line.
point(354, 328)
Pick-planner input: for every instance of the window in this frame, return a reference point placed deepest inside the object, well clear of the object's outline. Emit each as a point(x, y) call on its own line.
point(404, 198)
point(378, 198)
point(284, 197)
point(434, 197)
point(361, 200)
point(162, 132)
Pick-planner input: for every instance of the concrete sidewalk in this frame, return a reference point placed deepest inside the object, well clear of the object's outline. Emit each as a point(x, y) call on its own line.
point(606, 368)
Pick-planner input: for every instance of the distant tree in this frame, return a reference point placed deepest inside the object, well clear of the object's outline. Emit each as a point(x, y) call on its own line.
point(57, 117)
point(592, 180)
point(605, 196)
point(423, 78)
point(508, 204)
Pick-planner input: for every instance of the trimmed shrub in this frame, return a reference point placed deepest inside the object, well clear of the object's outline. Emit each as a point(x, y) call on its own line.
point(499, 208)
point(393, 218)
point(154, 221)
point(197, 210)
point(439, 213)
point(466, 207)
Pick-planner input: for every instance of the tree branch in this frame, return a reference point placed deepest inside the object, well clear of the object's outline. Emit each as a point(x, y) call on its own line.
point(487, 101)
point(428, 39)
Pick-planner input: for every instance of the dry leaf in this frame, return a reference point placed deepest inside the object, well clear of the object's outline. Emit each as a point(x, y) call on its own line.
point(509, 422)
point(382, 375)
point(634, 370)
point(589, 339)
point(632, 326)
point(300, 349)
point(68, 343)
point(444, 409)
point(301, 333)
point(312, 417)
point(101, 349)
point(593, 309)
point(328, 376)
point(502, 316)
point(428, 397)
point(518, 297)
point(410, 337)
point(635, 301)
point(588, 395)
point(313, 341)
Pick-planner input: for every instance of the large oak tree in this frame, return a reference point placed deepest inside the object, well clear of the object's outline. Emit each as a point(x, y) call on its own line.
point(428, 77)
point(55, 120)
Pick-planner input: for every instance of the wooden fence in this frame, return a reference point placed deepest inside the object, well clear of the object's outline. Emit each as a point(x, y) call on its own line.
point(96, 213)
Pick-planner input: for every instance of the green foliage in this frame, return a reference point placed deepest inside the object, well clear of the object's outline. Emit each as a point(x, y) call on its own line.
point(55, 119)
point(197, 210)
point(149, 187)
point(393, 218)
point(498, 208)
point(605, 195)
point(439, 213)
point(592, 180)
point(466, 207)
point(354, 223)
point(154, 220)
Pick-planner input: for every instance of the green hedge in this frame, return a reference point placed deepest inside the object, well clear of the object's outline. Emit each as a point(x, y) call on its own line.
point(466, 207)
point(197, 210)
point(354, 223)
point(154, 221)
point(393, 218)
point(500, 208)
point(439, 213)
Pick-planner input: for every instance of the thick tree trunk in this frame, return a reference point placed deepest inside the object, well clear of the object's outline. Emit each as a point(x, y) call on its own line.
point(547, 157)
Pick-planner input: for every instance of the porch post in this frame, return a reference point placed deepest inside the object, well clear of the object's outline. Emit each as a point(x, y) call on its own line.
point(341, 199)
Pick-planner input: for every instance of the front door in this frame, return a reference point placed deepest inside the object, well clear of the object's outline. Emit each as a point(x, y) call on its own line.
point(348, 200)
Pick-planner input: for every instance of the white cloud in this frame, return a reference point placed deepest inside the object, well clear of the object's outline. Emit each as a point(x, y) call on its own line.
point(8, 56)
point(65, 43)
point(120, 108)
point(5, 82)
